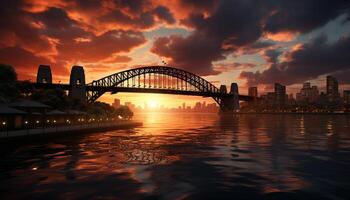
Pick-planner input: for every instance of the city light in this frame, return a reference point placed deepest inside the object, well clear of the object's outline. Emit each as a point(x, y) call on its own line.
point(4, 123)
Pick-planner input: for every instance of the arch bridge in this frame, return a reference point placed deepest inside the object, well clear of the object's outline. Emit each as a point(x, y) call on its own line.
point(150, 79)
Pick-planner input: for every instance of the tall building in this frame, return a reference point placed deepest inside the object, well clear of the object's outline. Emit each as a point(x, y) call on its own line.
point(332, 88)
point(183, 105)
point(307, 85)
point(197, 106)
point(204, 105)
point(308, 93)
point(347, 97)
point(253, 91)
point(116, 103)
point(280, 95)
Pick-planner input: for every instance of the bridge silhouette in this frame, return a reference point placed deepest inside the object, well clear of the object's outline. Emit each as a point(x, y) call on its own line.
point(149, 79)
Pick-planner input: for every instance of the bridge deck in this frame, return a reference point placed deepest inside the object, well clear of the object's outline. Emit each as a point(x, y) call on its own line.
point(114, 90)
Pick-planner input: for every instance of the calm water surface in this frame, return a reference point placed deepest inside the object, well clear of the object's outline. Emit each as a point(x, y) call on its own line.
point(188, 156)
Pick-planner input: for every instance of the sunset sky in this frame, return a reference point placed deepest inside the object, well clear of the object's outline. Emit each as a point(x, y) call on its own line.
point(251, 42)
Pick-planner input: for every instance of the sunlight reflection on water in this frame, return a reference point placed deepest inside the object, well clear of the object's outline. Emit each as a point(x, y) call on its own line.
point(188, 156)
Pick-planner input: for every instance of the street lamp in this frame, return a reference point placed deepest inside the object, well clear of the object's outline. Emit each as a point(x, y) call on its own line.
point(4, 124)
point(26, 124)
point(54, 122)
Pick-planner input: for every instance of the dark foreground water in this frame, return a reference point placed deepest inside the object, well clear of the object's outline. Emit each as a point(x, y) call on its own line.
point(188, 156)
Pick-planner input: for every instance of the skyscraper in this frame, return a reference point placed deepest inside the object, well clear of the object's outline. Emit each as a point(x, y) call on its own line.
point(116, 103)
point(253, 91)
point(308, 93)
point(280, 95)
point(332, 89)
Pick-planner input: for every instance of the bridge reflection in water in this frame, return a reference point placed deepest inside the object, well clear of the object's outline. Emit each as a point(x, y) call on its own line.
point(150, 79)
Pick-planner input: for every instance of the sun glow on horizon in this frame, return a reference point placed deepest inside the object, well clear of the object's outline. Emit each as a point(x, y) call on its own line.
point(152, 103)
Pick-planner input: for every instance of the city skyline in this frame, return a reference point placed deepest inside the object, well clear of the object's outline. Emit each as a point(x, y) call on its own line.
point(155, 107)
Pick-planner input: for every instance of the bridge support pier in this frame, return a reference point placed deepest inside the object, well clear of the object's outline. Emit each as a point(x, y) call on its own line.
point(230, 105)
point(77, 81)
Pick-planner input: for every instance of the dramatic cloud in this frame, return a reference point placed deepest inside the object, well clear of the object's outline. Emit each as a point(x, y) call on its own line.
point(49, 35)
point(319, 57)
point(302, 16)
point(214, 36)
point(227, 67)
point(101, 47)
point(236, 25)
point(163, 13)
point(191, 53)
point(103, 33)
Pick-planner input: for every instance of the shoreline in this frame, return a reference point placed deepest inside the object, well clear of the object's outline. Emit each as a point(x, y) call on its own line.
point(290, 113)
point(52, 132)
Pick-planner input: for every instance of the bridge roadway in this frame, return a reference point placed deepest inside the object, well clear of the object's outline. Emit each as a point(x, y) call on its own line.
point(114, 89)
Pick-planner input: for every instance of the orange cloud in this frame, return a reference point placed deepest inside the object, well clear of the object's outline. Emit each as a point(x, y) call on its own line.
point(281, 36)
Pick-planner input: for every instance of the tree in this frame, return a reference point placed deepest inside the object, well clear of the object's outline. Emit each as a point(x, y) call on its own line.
point(7, 74)
point(100, 108)
point(55, 98)
point(125, 112)
point(8, 84)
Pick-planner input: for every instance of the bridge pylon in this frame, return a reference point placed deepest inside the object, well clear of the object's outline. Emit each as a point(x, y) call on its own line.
point(77, 82)
point(230, 104)
point(44, 74)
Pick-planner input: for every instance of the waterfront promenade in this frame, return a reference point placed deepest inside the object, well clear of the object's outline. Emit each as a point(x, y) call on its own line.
point(69, 129)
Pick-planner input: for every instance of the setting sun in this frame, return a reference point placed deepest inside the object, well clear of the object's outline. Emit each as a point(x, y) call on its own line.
point(152, 103)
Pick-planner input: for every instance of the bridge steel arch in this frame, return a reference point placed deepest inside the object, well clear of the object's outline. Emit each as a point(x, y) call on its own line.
point(201, 85)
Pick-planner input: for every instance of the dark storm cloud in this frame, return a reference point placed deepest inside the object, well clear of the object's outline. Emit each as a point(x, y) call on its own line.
point(319, 57)
point(302, 16)
point(189, 53)
point(125, 14)
point(117, 17)
point(200, 4)
point(271, 55)
point(237, 25)
point(164, 13)
point(16, 29)
point(213, 38)
point(101, 47)
point(58, 25)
